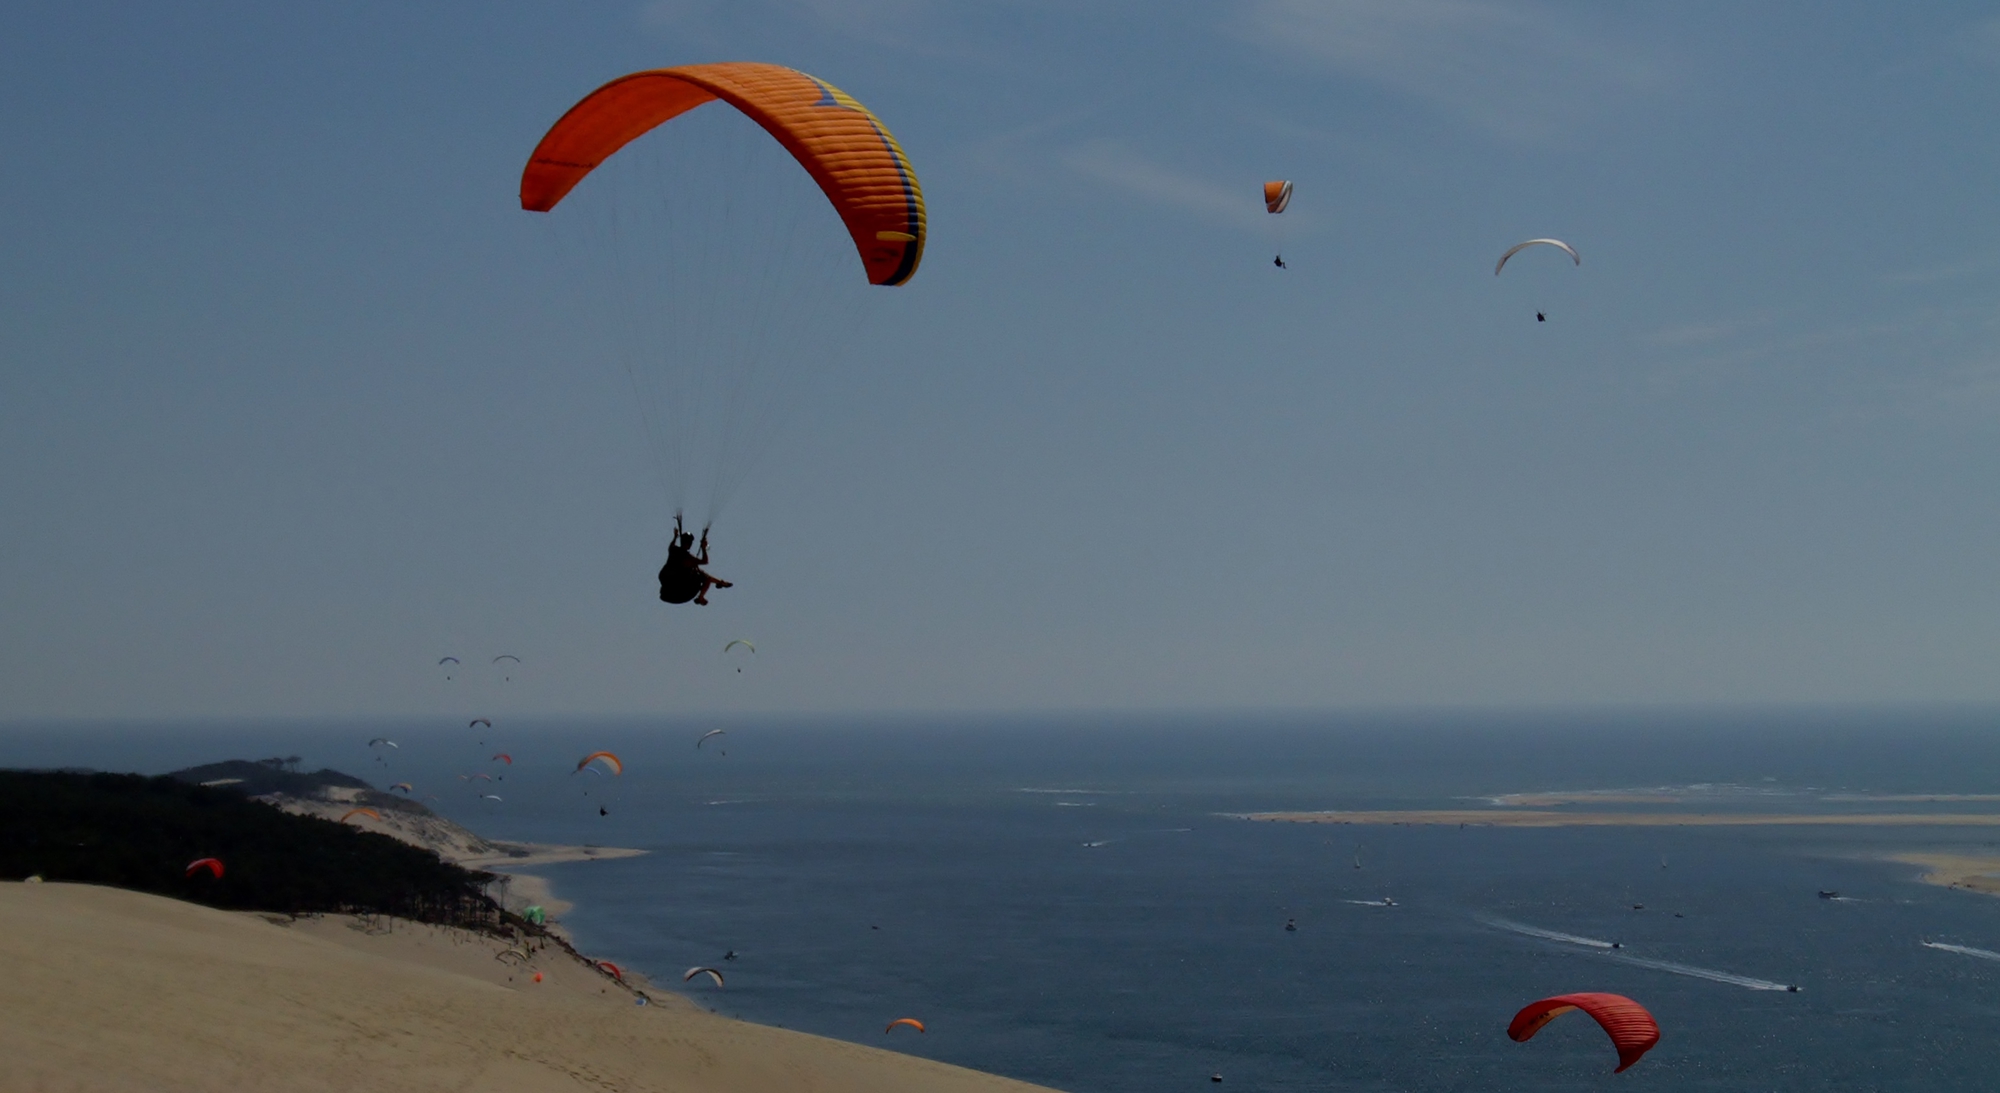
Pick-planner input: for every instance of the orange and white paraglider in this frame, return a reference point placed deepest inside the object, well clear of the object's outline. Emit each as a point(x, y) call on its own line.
point(710, 972)
point(610, 762)
point(1632, 1030)
point(692, 202)
point(846, 149)
point(910, 1021)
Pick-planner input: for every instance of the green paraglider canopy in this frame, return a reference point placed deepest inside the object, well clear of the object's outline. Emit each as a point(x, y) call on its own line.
point(536, 915)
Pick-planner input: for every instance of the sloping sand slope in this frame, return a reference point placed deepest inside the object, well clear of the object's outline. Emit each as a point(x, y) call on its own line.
point(111, 990)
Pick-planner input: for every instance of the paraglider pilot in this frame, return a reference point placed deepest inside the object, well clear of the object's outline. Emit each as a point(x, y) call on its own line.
point(1279, 262)
point(682, 578)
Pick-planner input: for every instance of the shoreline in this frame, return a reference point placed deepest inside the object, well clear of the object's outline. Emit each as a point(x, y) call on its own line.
point(519, 891)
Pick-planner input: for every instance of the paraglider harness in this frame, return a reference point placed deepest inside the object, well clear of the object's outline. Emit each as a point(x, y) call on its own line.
point(682, 579)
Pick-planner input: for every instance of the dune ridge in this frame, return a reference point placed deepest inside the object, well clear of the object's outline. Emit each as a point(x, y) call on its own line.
point(111, 990)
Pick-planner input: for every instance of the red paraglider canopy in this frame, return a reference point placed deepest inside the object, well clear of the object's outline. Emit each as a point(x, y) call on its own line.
point(1632, 1030)
point(213, 865)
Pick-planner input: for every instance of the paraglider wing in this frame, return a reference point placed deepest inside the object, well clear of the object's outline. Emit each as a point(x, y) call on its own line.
point(506, 656)
point(368, 812)
point(385, 740)
point(910, 1021)
point(503, 757)
point(846, 149)
point(491, 797)
point(1277, 196)
point(447, 660)
point(617, 766)
point(1517, 248)
point(711, 972)
point(616, 972)
point(1632, 1030)
point(213, 865)
point(744, 642)
point(405, 787)
point(479, 721)
point(709, 733)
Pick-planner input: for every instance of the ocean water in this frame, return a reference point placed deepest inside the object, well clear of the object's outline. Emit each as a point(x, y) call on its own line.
point(1071, 902)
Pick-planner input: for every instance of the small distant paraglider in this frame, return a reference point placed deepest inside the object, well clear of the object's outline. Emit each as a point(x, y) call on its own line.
point(368, 812)
point(1632, 1030)
point(490, 797)
point(383, 741)
point(706, 735)
point(1575, 258)
point(506, 675)
point(611, 969)
point(478, 721)
point(405, 787)
point(502, 757)
point(710, 972)
point(745, 643)
point(453, 661)
point(910, 1021)
point(1277, 198)
point(611, 762)
point(213, 865)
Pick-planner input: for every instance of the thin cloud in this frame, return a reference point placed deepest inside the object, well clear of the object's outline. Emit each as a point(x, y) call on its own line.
point(1982, 41)
point(1950, 272)
point(1111, 161)
point(1516, 71)
point(1706, 332)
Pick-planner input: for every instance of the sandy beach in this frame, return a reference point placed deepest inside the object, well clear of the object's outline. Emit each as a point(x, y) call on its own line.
point(115, 990)
point(1971, 872)
point(1543, 818)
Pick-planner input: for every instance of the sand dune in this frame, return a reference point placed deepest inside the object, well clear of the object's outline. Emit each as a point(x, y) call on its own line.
point(113, 990)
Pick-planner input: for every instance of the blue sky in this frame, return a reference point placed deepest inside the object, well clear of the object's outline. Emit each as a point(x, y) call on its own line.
point(291, 403)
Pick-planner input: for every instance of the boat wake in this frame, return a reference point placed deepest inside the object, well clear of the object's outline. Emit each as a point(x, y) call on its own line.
point(1962, 950)
point(1710, 974)
point(1526, 930)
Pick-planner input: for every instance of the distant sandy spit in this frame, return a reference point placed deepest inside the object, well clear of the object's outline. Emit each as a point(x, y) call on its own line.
point(1972, 873)
point(518, 855)
point(1493, 818)
point(1584, 797)
point(108, 990)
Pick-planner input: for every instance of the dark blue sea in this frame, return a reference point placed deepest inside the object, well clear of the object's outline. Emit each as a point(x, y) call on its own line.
point(1069, 901)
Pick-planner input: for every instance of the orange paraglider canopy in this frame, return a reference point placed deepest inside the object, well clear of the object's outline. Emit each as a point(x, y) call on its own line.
point(213, 865)
point(1632, 1030)
point(617, 765)
point(353, 812)
point(846, 149)
point(910, 1021)
point(1277, 195)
